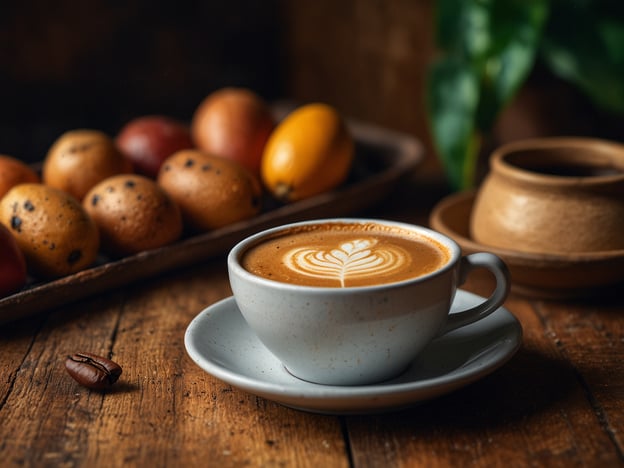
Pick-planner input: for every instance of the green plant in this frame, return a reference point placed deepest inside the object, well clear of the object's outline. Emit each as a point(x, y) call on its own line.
point(487, 48)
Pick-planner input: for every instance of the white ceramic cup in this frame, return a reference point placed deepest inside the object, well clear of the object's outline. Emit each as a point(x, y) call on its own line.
point(358, 335)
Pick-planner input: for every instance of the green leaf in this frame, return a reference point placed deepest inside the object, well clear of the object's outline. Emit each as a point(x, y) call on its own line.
point(452, 100)
point(516, 32)
point(584, 44)
point(487, 49)
point(462, 28)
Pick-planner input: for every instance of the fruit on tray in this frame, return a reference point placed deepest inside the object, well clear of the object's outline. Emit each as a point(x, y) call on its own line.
point(133, 213)
point(233, 123)
point(211, 191)
point(54, 232)
point(79, 159)
point(310, 152)
point(14, 172)
point(148, 140)
point(160, 179)
point(12, 263)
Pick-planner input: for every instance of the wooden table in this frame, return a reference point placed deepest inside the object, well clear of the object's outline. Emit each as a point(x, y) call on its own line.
point(558, 402)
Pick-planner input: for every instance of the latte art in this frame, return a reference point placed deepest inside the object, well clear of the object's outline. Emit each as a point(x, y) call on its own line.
point(354, 259)
point(344, 255)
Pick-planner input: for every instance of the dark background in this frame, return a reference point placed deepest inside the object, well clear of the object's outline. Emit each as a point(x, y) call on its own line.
point(98, 63)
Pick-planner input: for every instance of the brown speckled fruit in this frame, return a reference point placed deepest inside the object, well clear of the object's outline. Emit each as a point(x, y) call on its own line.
point(54, 232)
point(14, 172)
point(133, 214)
point(79, 159)
point(211, 192)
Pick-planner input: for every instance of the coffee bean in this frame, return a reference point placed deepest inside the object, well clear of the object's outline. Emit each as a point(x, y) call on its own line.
point(92, 371)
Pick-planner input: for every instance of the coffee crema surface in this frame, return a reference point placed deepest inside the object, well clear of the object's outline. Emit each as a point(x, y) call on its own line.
point(345, 255)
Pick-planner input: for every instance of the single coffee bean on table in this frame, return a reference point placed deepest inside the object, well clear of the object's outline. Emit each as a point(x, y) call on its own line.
point(92, 371)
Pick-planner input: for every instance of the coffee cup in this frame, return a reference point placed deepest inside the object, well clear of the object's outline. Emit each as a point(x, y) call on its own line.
point(354, 301)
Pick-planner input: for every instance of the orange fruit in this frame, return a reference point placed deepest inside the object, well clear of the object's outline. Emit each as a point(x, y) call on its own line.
point(233, 123)
point(310, 152)
point(13, 172)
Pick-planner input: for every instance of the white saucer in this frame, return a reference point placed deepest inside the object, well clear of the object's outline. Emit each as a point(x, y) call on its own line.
point(221, 343)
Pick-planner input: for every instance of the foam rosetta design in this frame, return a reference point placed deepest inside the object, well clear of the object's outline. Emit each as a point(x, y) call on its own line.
point(354, 259)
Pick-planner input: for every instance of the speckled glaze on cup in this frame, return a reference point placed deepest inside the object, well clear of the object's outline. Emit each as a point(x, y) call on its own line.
point(552, 196)
point(358, 335)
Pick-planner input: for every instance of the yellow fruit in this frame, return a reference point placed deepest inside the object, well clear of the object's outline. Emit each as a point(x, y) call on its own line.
point(309, 152)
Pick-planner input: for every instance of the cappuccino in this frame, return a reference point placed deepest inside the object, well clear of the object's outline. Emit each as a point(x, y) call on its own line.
point(344, 255)
point(343, 332)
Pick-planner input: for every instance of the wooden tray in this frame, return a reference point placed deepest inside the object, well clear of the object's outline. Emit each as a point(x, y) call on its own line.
point(382, 158)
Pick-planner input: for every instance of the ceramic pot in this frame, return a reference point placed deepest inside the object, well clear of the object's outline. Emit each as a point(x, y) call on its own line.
point(552, 195)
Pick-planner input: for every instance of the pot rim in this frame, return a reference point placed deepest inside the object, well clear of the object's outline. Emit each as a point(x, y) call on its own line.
point(612, 154)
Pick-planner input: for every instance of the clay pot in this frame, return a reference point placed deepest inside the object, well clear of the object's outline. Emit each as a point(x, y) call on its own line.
point(547, 276)
point(552, 195)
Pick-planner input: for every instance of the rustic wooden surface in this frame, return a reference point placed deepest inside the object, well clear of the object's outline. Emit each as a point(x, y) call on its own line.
point(558, 402)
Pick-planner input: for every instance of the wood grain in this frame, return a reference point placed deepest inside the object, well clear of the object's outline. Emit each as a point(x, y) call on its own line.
point(542, 409)
point(558, 402)
point(164, 408)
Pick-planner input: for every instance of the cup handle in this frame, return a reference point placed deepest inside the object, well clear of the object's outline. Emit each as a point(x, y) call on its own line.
point(503, 282)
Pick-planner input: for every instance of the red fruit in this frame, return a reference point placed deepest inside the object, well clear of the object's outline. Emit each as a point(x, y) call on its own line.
point(14, 171)
point(12, 264)
point(233, 123)
point(147, 141)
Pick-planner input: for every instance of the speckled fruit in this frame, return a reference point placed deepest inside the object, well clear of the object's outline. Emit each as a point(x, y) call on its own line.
point(54, 232)
point(211, 192)
point(79, 159)
point(133, 214)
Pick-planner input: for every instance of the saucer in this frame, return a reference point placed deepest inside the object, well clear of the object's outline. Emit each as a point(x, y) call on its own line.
point(548, 276)
point(221, 343)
